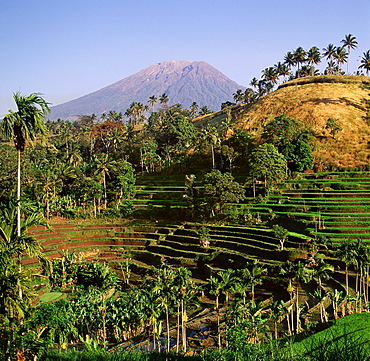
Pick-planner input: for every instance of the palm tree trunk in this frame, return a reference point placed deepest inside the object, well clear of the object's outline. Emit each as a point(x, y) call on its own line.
point(168, 330)
point(213, 157)
point(19, 214)
point(105, 191)
point(18, 193)
point(183, 328)
point(297, 311)
point(178, 329)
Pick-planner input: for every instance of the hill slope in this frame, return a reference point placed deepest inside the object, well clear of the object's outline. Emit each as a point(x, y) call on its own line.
point(313, 100)
point(184, 82)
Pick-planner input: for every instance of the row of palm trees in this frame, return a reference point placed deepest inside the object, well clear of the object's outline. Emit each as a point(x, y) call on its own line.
point(305, 63)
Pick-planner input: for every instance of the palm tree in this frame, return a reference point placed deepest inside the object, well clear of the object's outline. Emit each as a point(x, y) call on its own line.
point(15, 240)
point(340, 56)
point(163, 99)
point(223, 283)
point(345, 253)
point(278, 311)
point(210, 135)
point(300, 57)
point(194, 109)
point(254, 82)
point(329, 54)
point(302, 274)
point(204, 110)
point(185, 290)
point(103, 166)
point(153, 100)
point(289, 60)
point(365, 62)
point(313, 58)
point(164, 288)
point(252, 273)
point(351, 43)
point(270, 75)
point(282, 69)
point(238, 96)
point(23, 126)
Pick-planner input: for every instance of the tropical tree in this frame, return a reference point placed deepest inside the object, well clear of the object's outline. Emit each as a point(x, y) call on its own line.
point(164, 99)
point(365, 62)
point(238, 96)
point(313, 58)
point(278, 311)
point(270, 74)
point(351, 43)
point(300, 57)
point(23, 126)
point(252, 275)
point(153, 100)
point(220, 189)
point(222, 283)
point(211, 136)
point(267, 163)
point(204, 110)
point(345, 253)
point(340, 56)
point(281, 234)
point(164, 289)
point(254, 82)
point(329, 53)
point(185, 292)
point(18, 242)
point(194, 109)
point(103, 165)
point(289, 60)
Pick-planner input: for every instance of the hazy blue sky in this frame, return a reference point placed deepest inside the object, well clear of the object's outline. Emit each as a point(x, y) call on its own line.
point(66, 49)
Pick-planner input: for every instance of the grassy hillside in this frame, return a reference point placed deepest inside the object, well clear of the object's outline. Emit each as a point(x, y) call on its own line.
point(313, 100)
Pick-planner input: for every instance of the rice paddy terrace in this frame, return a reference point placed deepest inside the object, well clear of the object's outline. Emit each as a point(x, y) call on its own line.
point(335, 205)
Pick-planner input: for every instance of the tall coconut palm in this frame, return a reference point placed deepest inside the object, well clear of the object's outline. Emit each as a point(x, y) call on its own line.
point(164, 99)
point(164, 289)
point(351, 43)
point(329, 54)
point(103, 165)
point(254, 82)
point(300, 57)
point(345, 253)
point(340, 56)
point(238, 96)
point(313, 58)
point(23, 126)
point(270, 75)
point(365, 62)
point(153, 100)
point(289, 59)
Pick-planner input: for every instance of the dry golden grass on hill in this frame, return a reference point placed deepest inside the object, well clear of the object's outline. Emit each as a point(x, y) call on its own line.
point(313, 100)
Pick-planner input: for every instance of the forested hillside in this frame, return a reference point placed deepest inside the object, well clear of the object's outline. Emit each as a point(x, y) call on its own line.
point(172, 229)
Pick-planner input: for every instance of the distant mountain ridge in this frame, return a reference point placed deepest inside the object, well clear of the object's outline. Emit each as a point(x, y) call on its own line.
point(183, 81)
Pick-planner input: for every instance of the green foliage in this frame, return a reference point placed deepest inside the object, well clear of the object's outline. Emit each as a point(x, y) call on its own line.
point(289, 136)
point(333, 126)
point(265, 162)
point(220, 189)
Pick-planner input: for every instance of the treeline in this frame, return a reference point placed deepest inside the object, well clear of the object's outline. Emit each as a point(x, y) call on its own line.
point(89, 167)
point(299, 63)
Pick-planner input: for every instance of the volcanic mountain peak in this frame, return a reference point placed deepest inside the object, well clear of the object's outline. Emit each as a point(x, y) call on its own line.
point(183, 81)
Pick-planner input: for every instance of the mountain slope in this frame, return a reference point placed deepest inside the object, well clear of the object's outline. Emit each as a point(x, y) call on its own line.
point(184, 82)
point(313, 100)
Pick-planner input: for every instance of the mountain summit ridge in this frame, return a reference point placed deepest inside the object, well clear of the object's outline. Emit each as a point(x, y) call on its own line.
point(184, 82)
